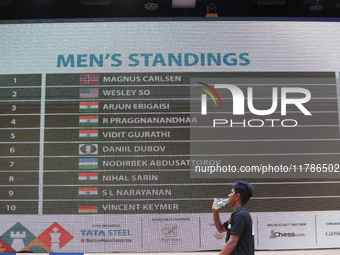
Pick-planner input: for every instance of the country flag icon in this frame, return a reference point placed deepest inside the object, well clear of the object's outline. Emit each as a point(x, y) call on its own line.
point(87, 192)
point(88, 149)
point(88, 107)
point(88, 134)
point(88, 93)
point(87, 177)
point(88, 121)
point(89, 79)
point(88, 163)
point(87, 209)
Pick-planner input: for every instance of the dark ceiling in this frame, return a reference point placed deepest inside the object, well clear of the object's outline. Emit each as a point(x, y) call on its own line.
point(55, 9)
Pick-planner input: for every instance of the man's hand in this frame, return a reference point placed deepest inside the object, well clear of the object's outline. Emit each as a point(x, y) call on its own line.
point(215, 207)
point(216, 216)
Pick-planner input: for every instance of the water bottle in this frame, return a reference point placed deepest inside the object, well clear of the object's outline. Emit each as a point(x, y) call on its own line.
point(221, 201)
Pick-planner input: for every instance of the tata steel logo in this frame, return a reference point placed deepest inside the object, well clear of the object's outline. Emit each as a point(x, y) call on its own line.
point(302, 96)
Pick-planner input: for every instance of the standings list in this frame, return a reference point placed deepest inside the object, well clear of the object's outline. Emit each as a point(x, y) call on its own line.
point(96, 143)
point(139, 143)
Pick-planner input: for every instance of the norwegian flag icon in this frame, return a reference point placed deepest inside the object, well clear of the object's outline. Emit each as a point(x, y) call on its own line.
point(89, 79)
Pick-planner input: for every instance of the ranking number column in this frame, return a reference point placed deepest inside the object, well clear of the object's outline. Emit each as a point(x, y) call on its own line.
point(20, 104)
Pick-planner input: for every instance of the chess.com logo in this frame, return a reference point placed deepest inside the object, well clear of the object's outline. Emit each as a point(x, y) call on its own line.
point(297, 97)
point(19, 238)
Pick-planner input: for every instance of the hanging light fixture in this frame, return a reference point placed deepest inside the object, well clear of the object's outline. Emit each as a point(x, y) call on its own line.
point(315, 5)
point(211, 8)
point(151, 6)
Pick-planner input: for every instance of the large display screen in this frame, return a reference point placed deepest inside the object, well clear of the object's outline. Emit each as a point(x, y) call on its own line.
point(116, 136)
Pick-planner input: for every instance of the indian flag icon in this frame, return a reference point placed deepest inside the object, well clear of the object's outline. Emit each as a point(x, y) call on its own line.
point(88, 163)
point(88, 134)
point(88, 121)
point(87, 191)
point(87, 209)
point(87, 177)
point(88, 107)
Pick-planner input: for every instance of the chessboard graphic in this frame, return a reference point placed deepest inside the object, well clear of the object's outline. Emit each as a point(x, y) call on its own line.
point(19, 238)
